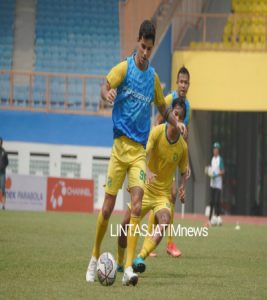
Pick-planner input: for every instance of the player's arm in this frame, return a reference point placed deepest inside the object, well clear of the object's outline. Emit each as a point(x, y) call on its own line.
point(159, 117)
point(183, 165)
point(181, 188)
point(150, 145)
point(164, 110)
point(114, 79)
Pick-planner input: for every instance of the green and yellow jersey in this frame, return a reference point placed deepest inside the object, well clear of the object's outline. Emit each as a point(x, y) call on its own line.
point(164, 157)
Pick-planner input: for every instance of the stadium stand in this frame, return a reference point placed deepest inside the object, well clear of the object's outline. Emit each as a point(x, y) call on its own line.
point(245, 29)
point(6, 33)
point(6, 43)
point(71, 37)
point(75, 37)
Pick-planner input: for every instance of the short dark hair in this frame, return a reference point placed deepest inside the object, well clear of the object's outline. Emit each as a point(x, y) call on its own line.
point(147, 31)
point(183, 70)
point(180, 102)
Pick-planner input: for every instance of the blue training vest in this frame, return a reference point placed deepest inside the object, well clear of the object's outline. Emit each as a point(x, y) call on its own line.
point(132, 106)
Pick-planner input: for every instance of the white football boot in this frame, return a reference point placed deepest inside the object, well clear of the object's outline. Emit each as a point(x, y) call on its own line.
point(91, 270)
point(129, 277)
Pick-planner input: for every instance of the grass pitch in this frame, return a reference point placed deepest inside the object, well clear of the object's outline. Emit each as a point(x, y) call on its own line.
point(45, 256)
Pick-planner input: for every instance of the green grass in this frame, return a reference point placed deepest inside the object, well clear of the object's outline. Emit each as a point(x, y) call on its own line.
point(45, 256)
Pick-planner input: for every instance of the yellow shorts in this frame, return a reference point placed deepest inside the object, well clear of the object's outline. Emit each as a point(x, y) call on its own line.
point(154, 202)
point(127, 157)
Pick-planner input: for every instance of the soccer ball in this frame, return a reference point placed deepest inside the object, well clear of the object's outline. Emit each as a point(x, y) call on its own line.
point(106, 269)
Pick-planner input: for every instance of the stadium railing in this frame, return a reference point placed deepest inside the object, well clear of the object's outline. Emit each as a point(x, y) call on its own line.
point(237, 31)
point(57, 92)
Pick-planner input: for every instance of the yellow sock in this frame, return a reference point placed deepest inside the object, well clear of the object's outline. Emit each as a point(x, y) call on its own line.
point(120, 255)
point(148, 246)
point(101, 227)
point(170, 239)
point(150, 224)
point(132, 240)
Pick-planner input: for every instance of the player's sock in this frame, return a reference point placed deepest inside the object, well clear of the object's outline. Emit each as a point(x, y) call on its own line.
point(170, 238)
point(120, 255)
point(148, 246)
point(151, 222)
point(132, 240)
point(150, 225)
point(101, 227)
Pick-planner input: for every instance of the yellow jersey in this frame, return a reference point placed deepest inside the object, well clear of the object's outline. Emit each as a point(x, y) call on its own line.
point(164, 157)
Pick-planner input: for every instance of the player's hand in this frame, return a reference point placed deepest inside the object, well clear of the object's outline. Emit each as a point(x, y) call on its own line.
point(111, 95)
point(181, 193)
point(181, 126)
point(150, 176)
point(187, 173)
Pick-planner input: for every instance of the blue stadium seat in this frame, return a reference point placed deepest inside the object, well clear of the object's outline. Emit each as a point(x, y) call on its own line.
point(7, 10)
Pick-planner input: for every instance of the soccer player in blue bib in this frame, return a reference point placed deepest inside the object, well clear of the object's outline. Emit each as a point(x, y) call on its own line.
point(131, 86)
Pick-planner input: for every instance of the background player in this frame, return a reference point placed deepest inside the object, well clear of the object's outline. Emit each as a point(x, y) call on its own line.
point(216, 184)
point(183, 83)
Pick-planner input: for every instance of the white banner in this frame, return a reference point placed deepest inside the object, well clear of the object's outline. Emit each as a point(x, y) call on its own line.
point(25, 192)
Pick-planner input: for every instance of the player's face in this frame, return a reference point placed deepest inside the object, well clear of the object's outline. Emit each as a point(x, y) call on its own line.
point(178, 112)
point(144, 51)
point(182, 84)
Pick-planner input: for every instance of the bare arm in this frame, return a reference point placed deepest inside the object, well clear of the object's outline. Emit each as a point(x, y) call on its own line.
point(181, 188)
point(159, 119)
point(107, 93)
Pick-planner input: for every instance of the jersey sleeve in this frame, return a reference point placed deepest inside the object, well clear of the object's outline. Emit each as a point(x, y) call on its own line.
point(158, 98)
point(117, 74)
point(152, 139)
point(183, 163)
point(168, 100)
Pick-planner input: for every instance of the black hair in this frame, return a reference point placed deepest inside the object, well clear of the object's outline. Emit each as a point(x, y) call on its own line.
point(180, 102)
point(147, 31)
point(183, 70)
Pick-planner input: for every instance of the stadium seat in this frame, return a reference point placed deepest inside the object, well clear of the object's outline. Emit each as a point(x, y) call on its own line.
point(74, 37)
point(7, 10)
point(245, 29)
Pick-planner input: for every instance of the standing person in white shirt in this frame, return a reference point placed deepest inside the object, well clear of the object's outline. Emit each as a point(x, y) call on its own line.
point(216, 184)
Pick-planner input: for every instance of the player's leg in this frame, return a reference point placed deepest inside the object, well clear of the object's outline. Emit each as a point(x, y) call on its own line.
point(122, 240)
point(136, 181)
point(101, 228)
point(2, 190)
point(211, 204)
point(163, 220)
point(171, 246)
point(151, 223)
point(129, 276)
point(115, 178)
point(218, 206)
